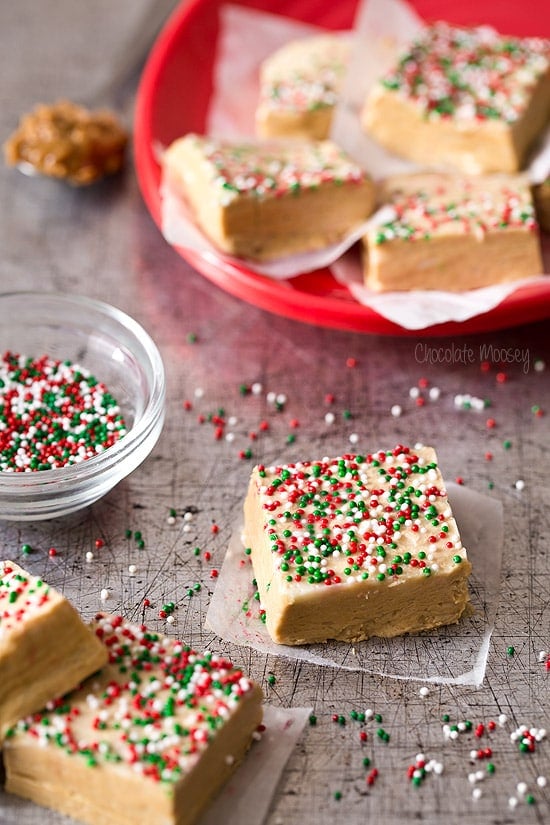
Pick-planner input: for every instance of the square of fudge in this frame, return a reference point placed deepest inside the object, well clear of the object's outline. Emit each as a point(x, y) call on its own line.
point(466, 97)
point(45, 647)
point(269, 199)
point(299, 87)
point(355, 546)
point(150, 738)
point(452, 233)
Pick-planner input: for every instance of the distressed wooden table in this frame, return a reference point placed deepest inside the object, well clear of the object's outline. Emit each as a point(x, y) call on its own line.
point(102, 243)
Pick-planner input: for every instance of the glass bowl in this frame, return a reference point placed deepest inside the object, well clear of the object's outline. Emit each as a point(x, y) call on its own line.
point(121, 355)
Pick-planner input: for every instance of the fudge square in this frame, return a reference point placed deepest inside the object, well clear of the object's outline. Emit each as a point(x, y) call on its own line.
point(468, 97)
point(151, 738)
point(45, 648)
point(452, 233)
point(356, 546)
point(269, 199)
point(299, 87)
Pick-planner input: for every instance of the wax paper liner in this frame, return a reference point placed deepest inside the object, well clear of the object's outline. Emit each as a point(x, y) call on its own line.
point(456, 654)
point(247, 795)
point(418, 309)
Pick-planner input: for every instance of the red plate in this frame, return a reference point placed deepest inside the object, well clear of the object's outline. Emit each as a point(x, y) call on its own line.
point(173, 99)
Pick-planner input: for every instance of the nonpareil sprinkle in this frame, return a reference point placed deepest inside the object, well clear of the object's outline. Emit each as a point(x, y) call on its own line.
point(53, 414)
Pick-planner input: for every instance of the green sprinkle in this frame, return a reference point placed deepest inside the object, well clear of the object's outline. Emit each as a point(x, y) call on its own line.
point(312, 719)
point(510, 650)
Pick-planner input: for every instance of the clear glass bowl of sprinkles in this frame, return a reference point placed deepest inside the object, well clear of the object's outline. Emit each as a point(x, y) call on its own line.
point(82, 400)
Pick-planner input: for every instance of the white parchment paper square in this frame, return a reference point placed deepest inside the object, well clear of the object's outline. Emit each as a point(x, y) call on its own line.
point(246, 797)
point(456, 654)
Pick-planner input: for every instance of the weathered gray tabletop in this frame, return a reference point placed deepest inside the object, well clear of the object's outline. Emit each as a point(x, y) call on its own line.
point(101, 242)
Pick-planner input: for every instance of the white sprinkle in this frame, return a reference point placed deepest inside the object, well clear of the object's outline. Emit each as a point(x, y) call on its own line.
point(104, 595)
point(542, 655)
point(229, 759)
point(170, 619)
point(199, 392)
point(438, 768)
point(473, 755)
point(512, 802)
point(270, 397)
point(369, 713)
point(476, 793)
point(171, 520)
point(329, 418)
point(232, 420)
point(434, 393)
point(257, 735)
point(132, 569)
point(521, 788)
point(414, 392)
point(186, 528)
point(256, 388)
point(89, 556)
point(230, 437)
point(396, 410)
point(188, 516)
point(520, 484)
point(502, 719)
point(424, 691)
point(281, 398)
point(541, 781)
point(539, 365)
point(472, 778)
point(420, 757)
point(353, 438)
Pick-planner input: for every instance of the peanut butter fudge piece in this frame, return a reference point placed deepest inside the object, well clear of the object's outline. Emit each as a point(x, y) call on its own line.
point(151, 738)
point(470, 98)
point(452, 233)
point(270, 199)
point(299, 87)
point(541, 196)
point(45, 648)
point(357, 546)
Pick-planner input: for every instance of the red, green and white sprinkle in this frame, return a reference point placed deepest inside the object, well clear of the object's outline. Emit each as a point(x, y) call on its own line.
point(21, 597)
point(350, 518)
point(470, 74)
point(154, 708)
point(53, 414)
point(274, 168)
point(459, 207)
point(304, 75)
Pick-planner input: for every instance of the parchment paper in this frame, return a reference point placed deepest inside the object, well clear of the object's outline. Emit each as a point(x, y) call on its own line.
point(451, 655)
point(247, 796)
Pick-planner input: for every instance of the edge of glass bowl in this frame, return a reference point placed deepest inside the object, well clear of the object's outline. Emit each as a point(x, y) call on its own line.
point(19, 487)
